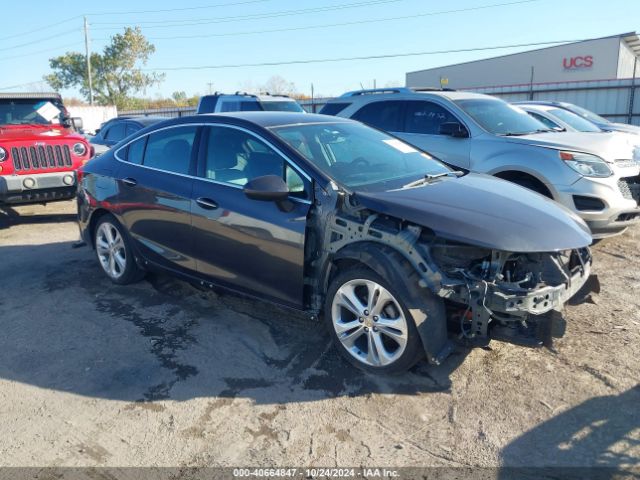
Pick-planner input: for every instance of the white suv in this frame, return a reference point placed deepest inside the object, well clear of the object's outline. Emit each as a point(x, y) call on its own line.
point(593, 175)
point(245, 102)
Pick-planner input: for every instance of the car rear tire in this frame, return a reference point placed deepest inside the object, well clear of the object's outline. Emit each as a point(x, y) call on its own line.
point(370, 324)
point(114, 252)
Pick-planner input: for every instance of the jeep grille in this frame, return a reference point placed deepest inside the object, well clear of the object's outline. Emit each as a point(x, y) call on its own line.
point(41, 157)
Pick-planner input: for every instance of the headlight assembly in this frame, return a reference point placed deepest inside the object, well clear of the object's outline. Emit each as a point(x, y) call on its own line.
point(79, 149)
point(586, 164)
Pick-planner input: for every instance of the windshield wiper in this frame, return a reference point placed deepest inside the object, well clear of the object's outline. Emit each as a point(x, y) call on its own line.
point(515, 134)
point(428, 178)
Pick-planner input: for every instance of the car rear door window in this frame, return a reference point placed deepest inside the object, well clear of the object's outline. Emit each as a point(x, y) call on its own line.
point(170, 149)
point(131, 128)
point(383, 115)
point(135, 151)
point(115, 133)
point(426, 117)
point(333, 108)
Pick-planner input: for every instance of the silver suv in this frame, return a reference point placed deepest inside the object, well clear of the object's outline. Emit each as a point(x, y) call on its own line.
point(593, 175)
point(247, 102)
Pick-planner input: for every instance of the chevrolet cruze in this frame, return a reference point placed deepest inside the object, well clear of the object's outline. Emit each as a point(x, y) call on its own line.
point(399, 253)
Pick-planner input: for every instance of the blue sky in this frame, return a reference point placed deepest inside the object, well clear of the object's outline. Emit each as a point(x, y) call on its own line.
point(24, 54)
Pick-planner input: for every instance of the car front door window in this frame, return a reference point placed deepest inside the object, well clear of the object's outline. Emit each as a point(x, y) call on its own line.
point(236, 157)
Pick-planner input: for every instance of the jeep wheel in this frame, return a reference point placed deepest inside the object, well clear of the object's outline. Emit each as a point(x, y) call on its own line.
point(114, 252)
point(370, 324)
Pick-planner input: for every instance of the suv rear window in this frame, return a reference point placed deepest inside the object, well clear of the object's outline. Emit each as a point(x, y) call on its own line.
point(333, 108)
point(240, 106)
point(383, 115)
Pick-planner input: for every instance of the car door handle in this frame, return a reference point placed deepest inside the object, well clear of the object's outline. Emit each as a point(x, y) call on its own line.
point(207, 203)
point(132, 182)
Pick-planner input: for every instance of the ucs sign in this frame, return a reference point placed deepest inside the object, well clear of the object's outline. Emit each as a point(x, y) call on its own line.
point(577, 62)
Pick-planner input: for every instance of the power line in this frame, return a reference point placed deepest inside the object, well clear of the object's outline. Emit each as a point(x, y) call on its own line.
point(52, 25)
point(369, 57)
point(22, 85)
point(46, 27)
point(330, 25)
point(246, 2)
point(40, 51)
point(40, 40)
point(237, 18)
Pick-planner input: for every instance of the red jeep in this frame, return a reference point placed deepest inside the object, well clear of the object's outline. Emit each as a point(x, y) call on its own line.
point(39, 149)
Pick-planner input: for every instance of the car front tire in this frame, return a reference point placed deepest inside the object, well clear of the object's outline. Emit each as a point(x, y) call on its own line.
point(370, 324)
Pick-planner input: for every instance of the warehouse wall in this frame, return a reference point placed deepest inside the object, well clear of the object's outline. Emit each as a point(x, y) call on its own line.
point(550, 65)
point(609, 98)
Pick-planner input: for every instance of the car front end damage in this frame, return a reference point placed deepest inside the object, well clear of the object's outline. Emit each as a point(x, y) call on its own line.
point(487, 293)
point(514, 297)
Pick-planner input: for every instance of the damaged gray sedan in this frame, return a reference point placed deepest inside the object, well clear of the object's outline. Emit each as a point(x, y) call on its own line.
point(400, 254)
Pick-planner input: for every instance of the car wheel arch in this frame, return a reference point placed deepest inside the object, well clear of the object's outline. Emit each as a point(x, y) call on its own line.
point(96, 215)
point(525, 179)
point(392, 265)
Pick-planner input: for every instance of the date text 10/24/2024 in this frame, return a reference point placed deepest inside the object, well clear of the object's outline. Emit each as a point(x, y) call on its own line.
point(316, 472)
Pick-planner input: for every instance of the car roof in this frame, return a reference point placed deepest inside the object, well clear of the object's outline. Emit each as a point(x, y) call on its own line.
point(145, 121)
point(536, 106)
point(403, 93)
point(274, 119)
point(548, 103)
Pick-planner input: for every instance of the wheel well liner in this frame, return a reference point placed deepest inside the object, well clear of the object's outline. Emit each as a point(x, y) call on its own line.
point(515, 175)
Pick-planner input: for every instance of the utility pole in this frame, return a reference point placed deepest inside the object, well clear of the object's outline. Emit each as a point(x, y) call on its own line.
point(88, 55)
point(210, 87)
point(632, 93)
point(313, 106)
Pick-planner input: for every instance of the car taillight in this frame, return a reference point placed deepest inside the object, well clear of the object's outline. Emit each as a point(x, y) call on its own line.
point(79, 175)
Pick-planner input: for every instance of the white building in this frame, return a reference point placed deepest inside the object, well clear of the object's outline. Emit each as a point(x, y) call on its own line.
point(598, 74)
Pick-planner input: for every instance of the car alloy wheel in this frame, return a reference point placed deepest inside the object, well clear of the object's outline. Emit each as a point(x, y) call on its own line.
point(369, 322)
point(111, 250)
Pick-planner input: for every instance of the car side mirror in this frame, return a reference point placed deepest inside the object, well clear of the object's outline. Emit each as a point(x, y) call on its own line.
point(77, 123)
point(268, 188)
point(454, 129)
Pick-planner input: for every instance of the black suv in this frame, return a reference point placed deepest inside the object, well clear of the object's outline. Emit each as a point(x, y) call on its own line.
point(334, 218)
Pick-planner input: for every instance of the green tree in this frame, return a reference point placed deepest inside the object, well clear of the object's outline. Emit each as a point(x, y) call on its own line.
point(116, 72)
point(180, 97)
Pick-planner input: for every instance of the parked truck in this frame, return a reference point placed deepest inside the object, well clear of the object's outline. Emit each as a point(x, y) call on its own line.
point(40, 149)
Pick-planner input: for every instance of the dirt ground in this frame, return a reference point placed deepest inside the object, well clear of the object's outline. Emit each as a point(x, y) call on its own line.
point(161, 374)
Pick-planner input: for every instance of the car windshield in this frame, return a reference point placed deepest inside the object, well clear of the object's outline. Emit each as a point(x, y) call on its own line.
point(589, 115)
point(282, 107)
point(355, 155)
point(30, 111)
point(500, 118)
point(574, 120)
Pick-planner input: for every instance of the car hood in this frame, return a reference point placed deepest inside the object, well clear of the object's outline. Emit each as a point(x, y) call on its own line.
point(484, 211)
point(36, 132)
point(621, 127)
point(607, 145)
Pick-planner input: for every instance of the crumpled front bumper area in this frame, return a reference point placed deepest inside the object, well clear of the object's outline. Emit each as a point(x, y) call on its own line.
point(524, 316)
point(540, 301)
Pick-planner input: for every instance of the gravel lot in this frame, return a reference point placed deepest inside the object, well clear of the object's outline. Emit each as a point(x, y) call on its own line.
point(162, 374)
